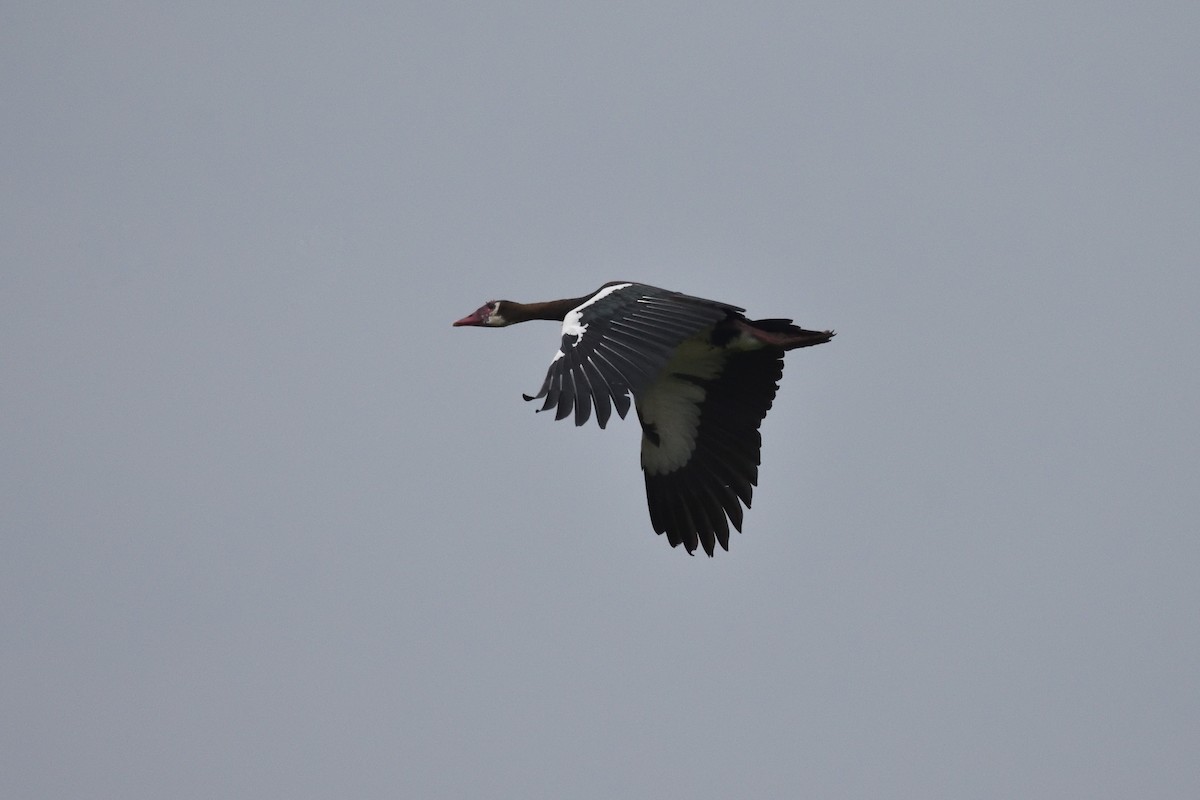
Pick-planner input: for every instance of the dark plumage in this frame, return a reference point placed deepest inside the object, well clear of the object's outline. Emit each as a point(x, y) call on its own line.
point(702, 377)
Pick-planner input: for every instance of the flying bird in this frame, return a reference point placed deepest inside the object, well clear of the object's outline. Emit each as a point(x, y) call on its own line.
point(702, 377)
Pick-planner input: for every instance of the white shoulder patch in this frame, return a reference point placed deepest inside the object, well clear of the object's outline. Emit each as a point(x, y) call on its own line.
point(571, 325)
point(672, 405)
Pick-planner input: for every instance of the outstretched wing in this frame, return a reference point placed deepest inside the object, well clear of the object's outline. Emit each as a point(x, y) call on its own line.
point(701, 444)
point(616, 342)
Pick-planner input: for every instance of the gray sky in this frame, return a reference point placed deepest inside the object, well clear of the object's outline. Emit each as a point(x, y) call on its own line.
point(272, 528)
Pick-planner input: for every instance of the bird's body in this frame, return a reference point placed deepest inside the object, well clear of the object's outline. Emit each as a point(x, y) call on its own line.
point(702, 377)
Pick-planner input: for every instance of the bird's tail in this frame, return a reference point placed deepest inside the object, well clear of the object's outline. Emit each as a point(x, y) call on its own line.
point(783, 334)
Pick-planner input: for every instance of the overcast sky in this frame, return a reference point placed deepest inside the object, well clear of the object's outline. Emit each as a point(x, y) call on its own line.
point(272, 528)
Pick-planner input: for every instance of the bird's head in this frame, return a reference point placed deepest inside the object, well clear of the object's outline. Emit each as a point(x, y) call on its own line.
point(488, 315)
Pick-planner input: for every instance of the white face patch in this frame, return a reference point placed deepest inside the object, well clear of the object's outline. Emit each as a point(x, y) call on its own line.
point(672, 405)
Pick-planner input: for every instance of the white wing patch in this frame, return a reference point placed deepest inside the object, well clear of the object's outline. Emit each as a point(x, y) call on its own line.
point(571, 322)
point(672, 405)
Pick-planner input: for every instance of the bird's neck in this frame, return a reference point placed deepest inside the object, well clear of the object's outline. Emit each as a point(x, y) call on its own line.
point(551, 309)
